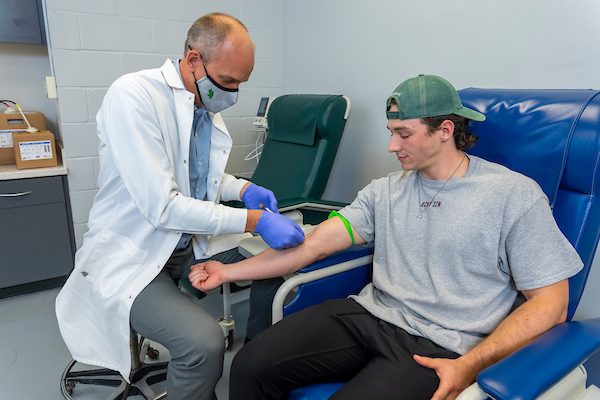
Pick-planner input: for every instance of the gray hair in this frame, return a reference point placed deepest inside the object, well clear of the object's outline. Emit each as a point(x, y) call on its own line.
point(209, 32)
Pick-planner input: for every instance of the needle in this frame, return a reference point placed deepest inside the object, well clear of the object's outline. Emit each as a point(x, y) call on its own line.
point(263, 207)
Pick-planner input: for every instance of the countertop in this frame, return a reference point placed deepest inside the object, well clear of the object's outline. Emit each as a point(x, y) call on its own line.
point(8, 172)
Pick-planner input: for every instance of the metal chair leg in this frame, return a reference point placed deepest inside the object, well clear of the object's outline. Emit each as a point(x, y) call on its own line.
point(142, 376)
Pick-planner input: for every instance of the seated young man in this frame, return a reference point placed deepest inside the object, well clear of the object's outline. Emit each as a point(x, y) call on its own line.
point(455, 238)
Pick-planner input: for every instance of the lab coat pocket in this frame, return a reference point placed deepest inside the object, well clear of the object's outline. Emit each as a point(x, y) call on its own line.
point(114, 258)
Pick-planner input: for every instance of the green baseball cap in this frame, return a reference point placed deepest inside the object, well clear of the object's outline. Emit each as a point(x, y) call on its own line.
point(428, 96)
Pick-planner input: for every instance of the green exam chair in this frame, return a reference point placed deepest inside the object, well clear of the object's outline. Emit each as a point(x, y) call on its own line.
point(303, 137)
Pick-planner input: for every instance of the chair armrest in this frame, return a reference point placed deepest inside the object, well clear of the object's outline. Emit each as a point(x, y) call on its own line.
point(473, 392)
point(187, 285)
point(537, 366)
point(301, 202)
point(294, 203)
point(344, 261)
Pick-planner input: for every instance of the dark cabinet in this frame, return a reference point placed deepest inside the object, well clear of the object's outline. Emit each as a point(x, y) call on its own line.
point(22, 21)
point(36, 234)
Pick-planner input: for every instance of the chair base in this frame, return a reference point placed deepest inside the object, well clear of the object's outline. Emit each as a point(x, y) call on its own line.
point(142, 378)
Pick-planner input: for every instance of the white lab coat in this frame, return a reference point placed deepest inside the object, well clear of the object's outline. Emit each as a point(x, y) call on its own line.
point(141, 210)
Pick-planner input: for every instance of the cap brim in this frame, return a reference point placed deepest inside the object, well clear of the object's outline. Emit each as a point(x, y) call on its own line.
point(470, 114)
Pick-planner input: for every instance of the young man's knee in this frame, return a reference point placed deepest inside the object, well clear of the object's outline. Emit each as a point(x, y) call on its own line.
point(251, 364)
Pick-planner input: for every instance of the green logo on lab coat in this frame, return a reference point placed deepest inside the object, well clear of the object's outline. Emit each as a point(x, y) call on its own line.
point(211, 94)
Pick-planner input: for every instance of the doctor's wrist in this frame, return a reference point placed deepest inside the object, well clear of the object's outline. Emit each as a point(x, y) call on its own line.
point(244, 189)
point(252, 219)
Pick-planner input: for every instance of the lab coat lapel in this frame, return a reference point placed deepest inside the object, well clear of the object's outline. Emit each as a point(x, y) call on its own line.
point(184, 111)
point(218, 123)
point(220, 147)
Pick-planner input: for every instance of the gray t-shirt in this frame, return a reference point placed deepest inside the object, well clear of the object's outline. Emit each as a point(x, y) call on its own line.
point(452, 276)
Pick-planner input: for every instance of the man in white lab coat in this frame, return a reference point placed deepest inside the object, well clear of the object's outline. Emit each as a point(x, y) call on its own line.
point(163, 152)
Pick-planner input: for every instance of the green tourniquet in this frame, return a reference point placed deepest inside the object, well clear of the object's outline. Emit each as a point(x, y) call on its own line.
point(345, 221)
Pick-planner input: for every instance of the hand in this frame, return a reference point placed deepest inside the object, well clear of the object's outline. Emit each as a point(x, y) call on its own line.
point(255, 195)
point(454, 376)
point(206, 276)
point(278, 231)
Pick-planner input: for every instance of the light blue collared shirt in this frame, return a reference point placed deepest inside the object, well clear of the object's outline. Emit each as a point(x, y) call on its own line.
point(199, 157)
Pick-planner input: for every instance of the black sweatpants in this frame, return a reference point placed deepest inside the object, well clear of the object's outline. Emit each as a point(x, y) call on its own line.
point(335, 341)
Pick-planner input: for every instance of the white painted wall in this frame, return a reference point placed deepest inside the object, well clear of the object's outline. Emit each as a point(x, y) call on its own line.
point(92, 43)
point(22, 71)
point(365, 49)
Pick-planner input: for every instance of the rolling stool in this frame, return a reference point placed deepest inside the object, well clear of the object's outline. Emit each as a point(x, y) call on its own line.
point(142, 374)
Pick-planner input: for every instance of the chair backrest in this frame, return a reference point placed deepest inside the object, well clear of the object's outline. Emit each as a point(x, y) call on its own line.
point(303, 138)
point(552, 136)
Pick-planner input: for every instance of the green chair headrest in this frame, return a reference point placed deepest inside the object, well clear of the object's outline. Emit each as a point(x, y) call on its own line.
point(294, 118)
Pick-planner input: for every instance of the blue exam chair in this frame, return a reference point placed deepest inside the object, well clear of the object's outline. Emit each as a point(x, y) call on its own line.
point(552, 136)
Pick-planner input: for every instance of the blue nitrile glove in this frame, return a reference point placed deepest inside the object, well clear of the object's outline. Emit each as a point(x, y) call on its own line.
point(255, 195)
point(278, 231)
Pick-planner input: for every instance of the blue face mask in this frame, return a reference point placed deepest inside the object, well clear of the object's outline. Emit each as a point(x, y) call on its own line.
point(213, 96)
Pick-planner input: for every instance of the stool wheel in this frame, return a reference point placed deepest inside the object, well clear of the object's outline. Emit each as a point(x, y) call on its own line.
point(229, 340)
point(152, 353)
point(69, 388)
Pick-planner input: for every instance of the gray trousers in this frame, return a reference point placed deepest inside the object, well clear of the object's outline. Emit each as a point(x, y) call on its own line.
point(162, 313)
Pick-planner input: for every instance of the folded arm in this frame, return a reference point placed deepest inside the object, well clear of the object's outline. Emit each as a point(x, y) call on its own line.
point(545, 307)
point(329, 237)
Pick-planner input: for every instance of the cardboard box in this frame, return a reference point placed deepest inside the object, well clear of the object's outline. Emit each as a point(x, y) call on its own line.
point(34, 150)
point(16, 121)
point(7, 153)
point(10, 123)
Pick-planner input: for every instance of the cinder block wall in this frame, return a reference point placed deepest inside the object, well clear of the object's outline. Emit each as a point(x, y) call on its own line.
point(92, 43)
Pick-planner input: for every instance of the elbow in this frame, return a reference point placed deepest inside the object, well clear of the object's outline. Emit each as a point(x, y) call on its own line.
point(556, 299)
point(564, 311)
point(315, 249)
point(324, 240)
point(161, 213)
point(562, 317)
point(559, 311)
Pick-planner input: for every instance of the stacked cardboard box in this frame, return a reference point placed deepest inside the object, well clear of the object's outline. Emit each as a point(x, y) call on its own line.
point(26, 149)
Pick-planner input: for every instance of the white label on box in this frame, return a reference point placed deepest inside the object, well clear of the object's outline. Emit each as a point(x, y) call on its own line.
point(38, 150)
point(5, 139)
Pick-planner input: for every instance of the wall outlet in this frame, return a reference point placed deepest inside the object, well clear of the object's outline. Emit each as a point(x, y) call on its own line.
point(50, 87)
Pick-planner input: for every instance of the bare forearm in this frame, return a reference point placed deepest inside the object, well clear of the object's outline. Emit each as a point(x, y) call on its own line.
point(269, 264)
point(534, 317)
point(329, 237)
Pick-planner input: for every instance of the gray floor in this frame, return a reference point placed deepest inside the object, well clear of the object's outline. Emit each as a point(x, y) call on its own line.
point(33, 354)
